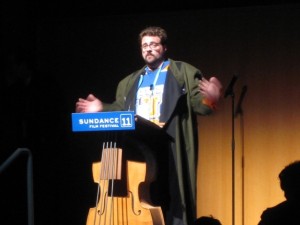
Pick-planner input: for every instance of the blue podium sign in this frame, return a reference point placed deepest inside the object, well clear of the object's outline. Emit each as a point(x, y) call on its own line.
point(103, 121)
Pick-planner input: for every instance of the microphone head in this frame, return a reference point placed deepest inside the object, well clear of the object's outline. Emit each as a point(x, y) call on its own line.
point(229, 89)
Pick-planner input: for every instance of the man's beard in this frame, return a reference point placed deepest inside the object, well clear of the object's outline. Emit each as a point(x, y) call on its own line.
point(155, 63)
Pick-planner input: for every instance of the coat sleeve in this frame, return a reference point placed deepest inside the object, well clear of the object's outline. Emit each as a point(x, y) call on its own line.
point(196, 99)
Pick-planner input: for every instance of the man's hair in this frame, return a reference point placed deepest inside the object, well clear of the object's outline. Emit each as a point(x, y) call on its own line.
point(154, 31)
point(290, 177)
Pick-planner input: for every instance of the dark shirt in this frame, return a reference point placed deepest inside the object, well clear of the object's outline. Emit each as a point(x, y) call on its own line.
point(285, 213)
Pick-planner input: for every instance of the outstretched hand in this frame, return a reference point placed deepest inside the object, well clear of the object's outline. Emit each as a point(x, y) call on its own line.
point(90, 104)
point(210, 89)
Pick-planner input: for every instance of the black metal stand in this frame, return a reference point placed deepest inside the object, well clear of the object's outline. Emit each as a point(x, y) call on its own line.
point(233, 158)
point(239, 111)
point(6, 163)
point(229, 92)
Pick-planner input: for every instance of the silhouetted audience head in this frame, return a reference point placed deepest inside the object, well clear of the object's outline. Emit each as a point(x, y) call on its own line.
point(290, 181)
point(207, 220)
point(288, 211)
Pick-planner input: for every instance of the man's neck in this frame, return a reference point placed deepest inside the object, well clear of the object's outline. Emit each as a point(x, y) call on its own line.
point(155, 65)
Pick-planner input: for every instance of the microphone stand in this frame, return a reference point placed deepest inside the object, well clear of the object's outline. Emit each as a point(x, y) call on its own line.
point(239, 111)
point(233, 158)
point(7, 162)
point(229, 92)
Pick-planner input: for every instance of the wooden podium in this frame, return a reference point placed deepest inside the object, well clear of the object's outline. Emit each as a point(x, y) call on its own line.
point(131, 174)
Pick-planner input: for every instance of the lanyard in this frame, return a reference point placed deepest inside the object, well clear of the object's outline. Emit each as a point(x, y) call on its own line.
point(157, 75)
point(152, 86)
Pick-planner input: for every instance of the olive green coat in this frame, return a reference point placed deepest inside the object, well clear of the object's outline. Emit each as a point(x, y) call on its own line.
point(182, 101)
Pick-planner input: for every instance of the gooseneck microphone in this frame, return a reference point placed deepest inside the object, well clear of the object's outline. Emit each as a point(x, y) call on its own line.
point(239, 109)
point(229, 89)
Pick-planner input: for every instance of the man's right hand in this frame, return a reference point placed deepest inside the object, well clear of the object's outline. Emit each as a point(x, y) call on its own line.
point(90, 104)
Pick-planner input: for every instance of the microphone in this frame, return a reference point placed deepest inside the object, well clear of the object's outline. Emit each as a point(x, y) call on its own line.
point(239, 109)
point(229, 90)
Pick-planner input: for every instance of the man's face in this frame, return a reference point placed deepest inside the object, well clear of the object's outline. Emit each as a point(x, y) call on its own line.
point(152, 50)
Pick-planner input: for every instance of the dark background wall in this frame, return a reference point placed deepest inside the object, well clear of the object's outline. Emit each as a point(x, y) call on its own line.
point(75, 50)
